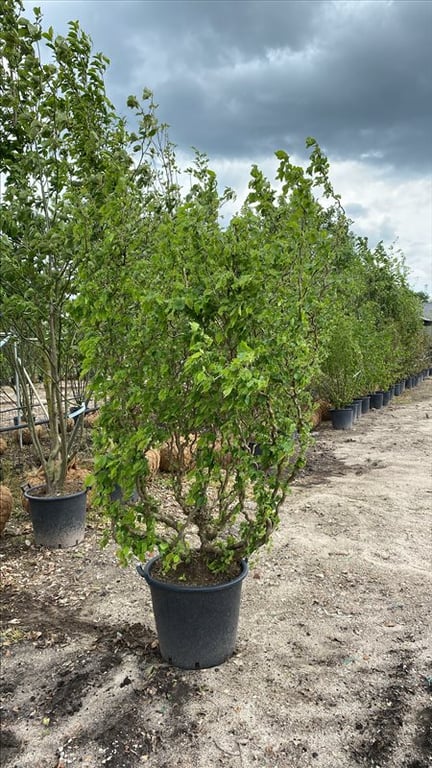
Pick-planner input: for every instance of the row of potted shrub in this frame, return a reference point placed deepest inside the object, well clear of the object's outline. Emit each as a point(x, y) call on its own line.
point(345, 418)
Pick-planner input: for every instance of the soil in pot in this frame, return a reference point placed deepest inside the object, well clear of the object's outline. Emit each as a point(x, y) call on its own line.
point(194, 573)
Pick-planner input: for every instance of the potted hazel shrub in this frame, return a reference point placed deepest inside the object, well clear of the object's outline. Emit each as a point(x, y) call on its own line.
point(54, 125)
point(210, 377)
point(340, 370)
point(378, 372)
point(389, 322)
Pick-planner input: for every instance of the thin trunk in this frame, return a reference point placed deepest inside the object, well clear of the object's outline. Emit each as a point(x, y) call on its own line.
point(25, 391)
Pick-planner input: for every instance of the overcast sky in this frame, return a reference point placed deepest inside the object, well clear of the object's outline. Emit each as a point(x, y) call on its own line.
point(239, 79)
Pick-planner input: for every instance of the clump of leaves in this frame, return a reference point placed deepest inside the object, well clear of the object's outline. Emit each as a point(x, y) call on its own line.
point(214, 348)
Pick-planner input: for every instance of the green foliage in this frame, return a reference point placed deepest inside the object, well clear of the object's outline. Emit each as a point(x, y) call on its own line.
point(342, 366)
point(55, 125)
point(389, 318)
point(214, 347)
point(380, 337)
point(204, 338)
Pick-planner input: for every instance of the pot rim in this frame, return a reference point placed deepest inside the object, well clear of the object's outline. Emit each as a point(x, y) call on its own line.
point(27, 491)
point(344, 408)
point(145, 572)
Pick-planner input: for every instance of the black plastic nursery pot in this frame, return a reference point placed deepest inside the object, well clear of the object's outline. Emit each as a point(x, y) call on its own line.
point(365, 401)
point(398, 389)
point(342, 418)
point(357, 409)
point(377, 400)
point(58, 521)
point(386, 397)
point(196, 626)
point(118, 495)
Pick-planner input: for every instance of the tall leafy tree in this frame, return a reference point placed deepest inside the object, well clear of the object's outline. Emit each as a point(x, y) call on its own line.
point(56, 128)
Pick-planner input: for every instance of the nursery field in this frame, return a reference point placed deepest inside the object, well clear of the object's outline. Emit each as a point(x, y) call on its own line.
point(333, 666)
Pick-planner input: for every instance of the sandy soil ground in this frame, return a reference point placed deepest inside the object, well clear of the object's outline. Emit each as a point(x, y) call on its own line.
point(333, 661)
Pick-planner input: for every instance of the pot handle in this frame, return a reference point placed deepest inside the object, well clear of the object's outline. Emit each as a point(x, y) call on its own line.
point(142, 572)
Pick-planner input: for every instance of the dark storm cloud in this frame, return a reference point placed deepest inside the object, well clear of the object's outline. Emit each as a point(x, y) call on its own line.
point(244, 78)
